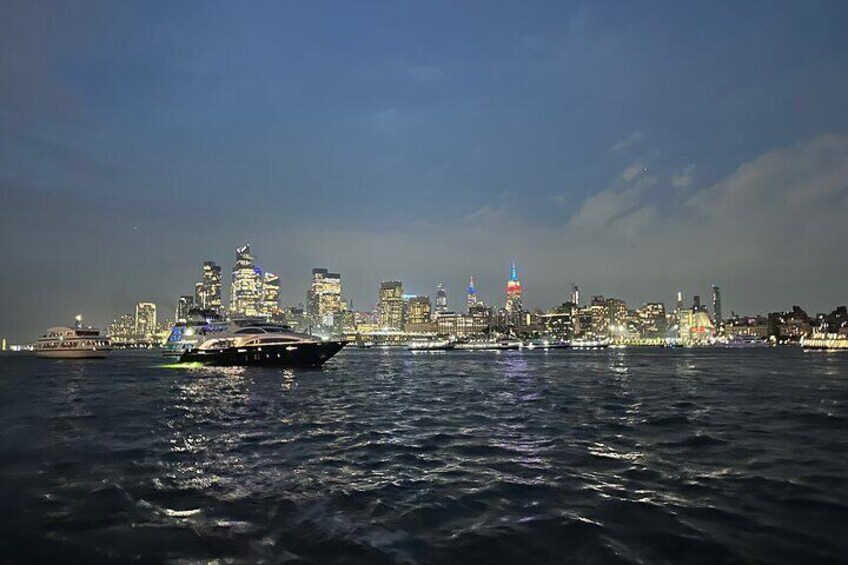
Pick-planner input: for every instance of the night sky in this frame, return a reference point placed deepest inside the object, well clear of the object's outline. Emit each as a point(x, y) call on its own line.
point(636, 149)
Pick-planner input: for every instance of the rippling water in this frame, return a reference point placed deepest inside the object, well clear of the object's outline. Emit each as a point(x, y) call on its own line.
point(620, 456)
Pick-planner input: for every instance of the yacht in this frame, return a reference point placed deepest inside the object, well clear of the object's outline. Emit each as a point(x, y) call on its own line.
point(261, 344)
point(744, 341)
point(188, 334)
point(79, 342)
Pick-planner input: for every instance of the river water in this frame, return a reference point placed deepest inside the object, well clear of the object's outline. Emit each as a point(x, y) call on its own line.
point(636, 455)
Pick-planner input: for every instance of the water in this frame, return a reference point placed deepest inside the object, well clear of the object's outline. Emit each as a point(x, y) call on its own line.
point(619, 456)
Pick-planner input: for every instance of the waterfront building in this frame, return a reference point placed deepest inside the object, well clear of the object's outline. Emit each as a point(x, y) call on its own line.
point(717, 305)
point(695, 326)
point(122, 329)
point(441, 300)
point(513, 305)
point(145, 320)
point(246, 291)
point(418, 310)
point(755, 326)
point(599, 317)
point(456, 325)
point(562, 322)
point(471, 298)
point(391, 305)
point(792, 325)
point(184, 305)
point(617, 312)
point(324, 298)
point(651, 320)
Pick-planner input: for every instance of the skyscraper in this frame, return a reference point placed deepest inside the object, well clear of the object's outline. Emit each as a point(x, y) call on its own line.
point(575, 295)
point(324, 298)
point(717, 305)
point(471, 300)
point(211, 287)
point(145, 320)
point(391, 305)
point(246, 293)
point(513, 292)
point(270, 304)
point(441, 300)
point(184, 305)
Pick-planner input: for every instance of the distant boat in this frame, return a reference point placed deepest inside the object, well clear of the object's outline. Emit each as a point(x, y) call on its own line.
point(489, 345)
point(430, 345)
point(78, 342)
point(590, 343)
point(744, 341)
point(825, 341)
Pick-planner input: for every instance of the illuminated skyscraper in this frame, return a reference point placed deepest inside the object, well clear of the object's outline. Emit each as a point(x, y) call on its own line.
point(391, 305)
point(717, 305)
point(211, 287)
point(471, 300)
point(575, 295)
point(270, 305)
point(324, 298)
point(145, 320)
point(184, 304)
point(441, 300)
point(513, 292)
point(246, 293)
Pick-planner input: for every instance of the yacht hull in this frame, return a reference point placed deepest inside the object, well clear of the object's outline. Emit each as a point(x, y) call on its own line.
point(73, 354)
point(298, 355)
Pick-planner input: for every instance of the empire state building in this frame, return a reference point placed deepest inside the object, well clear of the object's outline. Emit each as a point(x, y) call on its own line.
point(513, 292)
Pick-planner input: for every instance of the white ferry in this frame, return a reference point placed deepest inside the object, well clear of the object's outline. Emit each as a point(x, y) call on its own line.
point(489, 345)
point(78, 342)
point(829, 341)
point(590, 343)
point(430, 345)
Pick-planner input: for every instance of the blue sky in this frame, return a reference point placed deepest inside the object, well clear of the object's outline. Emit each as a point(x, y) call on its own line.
point(633, 148)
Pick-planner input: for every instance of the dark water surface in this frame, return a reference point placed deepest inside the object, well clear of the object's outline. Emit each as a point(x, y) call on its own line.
point(621, 456)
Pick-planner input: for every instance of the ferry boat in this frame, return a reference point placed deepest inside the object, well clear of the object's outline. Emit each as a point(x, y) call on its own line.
point(744, 341)
point(79, 342)
point(489, 345)
point(825, 341)
point(261, 344)
point(590, 343)
point(430, 345)
point(546, 344)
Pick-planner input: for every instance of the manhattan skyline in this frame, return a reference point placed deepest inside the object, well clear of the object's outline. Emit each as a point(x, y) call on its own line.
point(634, 150)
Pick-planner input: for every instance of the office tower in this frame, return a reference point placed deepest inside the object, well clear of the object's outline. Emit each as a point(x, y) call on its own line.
point(652, 320)
point(441, 300)
point(717, 305)
point(270, 304)
point(184, 305)
point(145, 320)
point(391, 305)
point(696, 303)
point(471, 299)
point(199, 294)
point(418, 310)
point(599, 321)
point(324, 298)
point(575, 295)
point(245, 296)
point(513, 292)
point(211, 285)
point(617, 312)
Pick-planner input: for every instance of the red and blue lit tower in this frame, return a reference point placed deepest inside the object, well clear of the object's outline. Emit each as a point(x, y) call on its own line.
point(513, 292)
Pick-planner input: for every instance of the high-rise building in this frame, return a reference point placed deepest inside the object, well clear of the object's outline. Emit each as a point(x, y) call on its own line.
point(324, 298)
point(600, 317)
point(211, 294)
point(122, 329)
point(145, 320)
point(617, 311)
point(513, 292)
point(651, 318)
point(270, 304)
point(696, 303)
point(575, 295)
point(471, 299)
point(717, 305)
point(184, 305)
point(418, 310)
point(246, 293)
point(391, 305)
point(441, 300)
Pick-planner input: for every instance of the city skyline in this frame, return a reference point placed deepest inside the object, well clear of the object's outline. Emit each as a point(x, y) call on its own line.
point(136, 142)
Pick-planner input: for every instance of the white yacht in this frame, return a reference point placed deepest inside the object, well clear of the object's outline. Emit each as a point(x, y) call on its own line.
point(78, 342)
